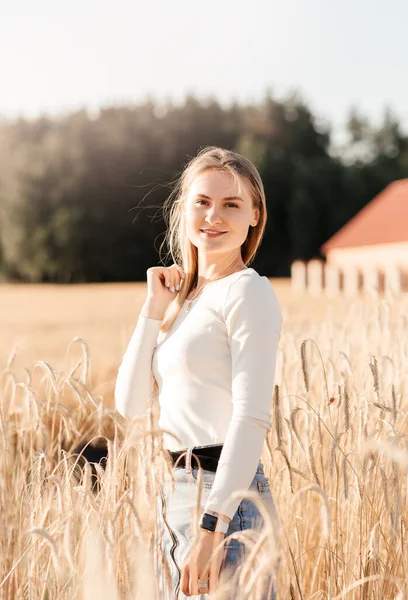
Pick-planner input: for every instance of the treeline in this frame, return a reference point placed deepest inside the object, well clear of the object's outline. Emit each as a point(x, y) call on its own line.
point(81, 197)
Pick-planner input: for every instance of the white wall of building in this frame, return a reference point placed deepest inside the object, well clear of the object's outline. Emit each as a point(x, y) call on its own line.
point(348, 271)
point(379, 256)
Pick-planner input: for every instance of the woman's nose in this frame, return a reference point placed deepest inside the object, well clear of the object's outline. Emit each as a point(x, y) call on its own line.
point(213, 216)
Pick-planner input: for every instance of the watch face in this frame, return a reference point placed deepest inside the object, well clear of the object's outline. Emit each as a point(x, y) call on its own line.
point(209, 522)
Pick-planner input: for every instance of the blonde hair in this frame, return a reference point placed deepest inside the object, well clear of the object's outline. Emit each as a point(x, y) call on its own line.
point(182, 251)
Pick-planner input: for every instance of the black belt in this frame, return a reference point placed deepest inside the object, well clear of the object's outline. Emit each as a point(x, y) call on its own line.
point(207, 455)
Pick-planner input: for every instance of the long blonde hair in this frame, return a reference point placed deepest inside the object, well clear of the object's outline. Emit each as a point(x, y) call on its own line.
point(182, 251)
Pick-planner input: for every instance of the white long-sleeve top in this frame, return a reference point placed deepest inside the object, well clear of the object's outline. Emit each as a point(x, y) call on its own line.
point(215, 372)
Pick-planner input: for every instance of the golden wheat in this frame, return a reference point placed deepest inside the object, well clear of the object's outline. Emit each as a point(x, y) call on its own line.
point(336, 457)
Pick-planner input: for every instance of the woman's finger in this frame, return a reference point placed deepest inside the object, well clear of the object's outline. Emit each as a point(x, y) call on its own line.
point(193, 577)
point(204, 577)
point(176, 280)
point(180, 276)
point(173, 284)
point(169, 279)
point(185, 580)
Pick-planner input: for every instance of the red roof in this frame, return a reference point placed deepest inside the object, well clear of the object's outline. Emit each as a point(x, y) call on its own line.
point(384, 220)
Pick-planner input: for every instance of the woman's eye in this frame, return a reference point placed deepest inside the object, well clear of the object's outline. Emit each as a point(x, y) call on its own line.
point(227, 204)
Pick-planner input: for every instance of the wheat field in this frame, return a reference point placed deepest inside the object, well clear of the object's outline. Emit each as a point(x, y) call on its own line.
point(336, 455)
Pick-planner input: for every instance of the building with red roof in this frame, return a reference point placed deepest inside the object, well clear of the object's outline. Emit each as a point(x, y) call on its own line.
point(377, 236)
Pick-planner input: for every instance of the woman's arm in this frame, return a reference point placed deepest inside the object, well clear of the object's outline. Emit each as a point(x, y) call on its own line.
point(253, 321)
point(134, 382)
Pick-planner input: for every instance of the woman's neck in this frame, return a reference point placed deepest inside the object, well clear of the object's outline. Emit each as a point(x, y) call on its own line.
point(211, 271)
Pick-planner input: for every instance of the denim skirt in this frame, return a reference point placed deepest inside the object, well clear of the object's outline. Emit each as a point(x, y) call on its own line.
point(176, 509)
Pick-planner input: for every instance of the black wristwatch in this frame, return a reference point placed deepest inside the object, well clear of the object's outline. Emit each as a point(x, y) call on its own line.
point(213, 523)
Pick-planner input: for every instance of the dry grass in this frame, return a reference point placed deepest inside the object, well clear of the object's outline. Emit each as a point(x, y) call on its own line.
point(336, 455)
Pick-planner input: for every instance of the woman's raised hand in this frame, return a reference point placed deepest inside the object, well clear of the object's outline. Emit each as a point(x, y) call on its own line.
point(163, 285)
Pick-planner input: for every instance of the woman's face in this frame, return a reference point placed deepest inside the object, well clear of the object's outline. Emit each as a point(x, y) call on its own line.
point(212, 204)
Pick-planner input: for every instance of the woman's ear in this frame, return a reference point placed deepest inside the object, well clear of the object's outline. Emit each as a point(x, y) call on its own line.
point(256, 217)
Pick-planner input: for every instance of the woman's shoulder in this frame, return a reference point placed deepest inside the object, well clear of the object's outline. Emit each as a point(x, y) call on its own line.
point(250, 279)
point(251, 288)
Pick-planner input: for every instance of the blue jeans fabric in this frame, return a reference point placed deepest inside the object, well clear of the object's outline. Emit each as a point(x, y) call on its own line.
point(176, 509)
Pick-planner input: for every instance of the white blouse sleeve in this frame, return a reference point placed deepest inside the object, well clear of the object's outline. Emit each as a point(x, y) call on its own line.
point(253, 321)
point(134, 382)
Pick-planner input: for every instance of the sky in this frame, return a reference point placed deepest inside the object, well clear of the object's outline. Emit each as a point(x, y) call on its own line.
point(56, 57)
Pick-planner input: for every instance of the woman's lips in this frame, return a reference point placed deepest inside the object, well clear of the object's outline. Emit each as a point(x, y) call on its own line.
point(214, 235)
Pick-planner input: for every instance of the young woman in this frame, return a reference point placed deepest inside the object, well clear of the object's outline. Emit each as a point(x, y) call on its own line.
point(206, 343)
